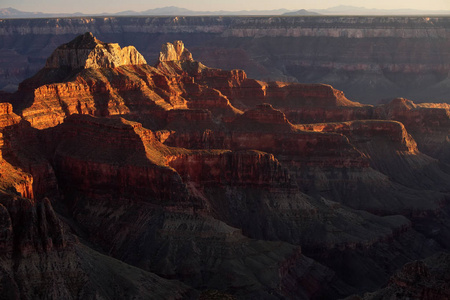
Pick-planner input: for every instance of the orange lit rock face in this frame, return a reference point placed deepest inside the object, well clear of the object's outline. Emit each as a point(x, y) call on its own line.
point(308, 95)
point(428, 123)
point(13, 177)
point(87, 76)
point(134, 89)
point(417, 117)
point(7, 117)
point(104, 92)
point(174, 52)
point(88, 52)
point(370, 129)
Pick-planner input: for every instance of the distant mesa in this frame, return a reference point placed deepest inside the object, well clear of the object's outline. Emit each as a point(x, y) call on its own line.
point(86, 51)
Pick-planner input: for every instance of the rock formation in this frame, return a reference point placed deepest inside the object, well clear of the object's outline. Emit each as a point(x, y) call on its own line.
point(223, 184)
point(174, 52)
point(87, 52)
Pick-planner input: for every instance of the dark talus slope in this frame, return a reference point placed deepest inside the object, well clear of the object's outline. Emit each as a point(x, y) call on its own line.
point(41, 260)
point(371, 58)
point(157, 167)
point(427, 279)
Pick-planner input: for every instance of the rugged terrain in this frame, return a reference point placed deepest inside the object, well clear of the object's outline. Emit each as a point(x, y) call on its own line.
point(175, 180)
point(372, 59)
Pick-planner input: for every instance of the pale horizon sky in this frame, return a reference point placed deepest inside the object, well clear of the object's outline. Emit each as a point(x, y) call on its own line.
point(113, 6)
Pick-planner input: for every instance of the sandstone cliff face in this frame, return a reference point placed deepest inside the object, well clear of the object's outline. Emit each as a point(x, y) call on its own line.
point(174, 52)
point(13, 178)
point(88, 52)
point(100, 92)
point(395, 131)
point(428, 123)
point(7, 116)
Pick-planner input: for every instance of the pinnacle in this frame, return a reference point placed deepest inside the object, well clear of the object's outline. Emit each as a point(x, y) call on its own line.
point(84, 41)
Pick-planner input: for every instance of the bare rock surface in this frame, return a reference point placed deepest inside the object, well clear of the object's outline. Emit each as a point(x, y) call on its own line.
point(88, 52)
point(174, 52)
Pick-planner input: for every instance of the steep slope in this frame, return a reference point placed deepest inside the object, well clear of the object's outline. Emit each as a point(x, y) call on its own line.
point(427, 279)
point(40, 259)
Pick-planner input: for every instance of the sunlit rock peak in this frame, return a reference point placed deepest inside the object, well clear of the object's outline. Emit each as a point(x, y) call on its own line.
point(85, 51)
point(174, 52)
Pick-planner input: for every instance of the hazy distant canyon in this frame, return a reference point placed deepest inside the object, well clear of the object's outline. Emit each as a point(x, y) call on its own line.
point(370, 58)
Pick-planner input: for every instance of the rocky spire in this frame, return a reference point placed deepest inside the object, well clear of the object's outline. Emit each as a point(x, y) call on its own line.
point(174, 52)
point(85, 51)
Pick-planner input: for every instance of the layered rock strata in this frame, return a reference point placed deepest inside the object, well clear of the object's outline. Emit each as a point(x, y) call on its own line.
point(214, 179)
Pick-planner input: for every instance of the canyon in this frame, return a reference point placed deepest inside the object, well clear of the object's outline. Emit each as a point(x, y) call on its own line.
point(373, 59)
point(175, 180)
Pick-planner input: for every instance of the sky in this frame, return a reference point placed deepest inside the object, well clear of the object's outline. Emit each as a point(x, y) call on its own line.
point(113, 6)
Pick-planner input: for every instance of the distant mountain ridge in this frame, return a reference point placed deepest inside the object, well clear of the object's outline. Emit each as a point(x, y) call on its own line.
point(12, 13)
point(301, 12)
point(173, 10)
point(354, 10)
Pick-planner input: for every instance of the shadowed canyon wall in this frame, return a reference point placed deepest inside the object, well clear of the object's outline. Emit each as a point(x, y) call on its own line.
point(371, 58)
